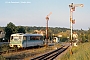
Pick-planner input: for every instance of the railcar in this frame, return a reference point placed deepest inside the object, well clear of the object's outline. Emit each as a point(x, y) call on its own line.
point(21, 40)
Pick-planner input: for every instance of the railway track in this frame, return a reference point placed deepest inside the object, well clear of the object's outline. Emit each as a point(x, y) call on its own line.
point(51, 55)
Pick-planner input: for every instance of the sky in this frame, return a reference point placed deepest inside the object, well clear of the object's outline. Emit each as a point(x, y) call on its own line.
point(33, 13)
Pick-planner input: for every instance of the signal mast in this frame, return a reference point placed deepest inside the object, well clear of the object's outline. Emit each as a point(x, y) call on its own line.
point(47, 19)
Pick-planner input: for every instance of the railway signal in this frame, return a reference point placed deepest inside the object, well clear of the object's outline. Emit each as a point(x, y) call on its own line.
point(72, 8)
point(47, 19)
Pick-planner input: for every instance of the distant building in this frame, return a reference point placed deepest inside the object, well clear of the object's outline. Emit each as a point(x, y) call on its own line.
point(2, 34)
point(56, 39)
point(39, 32)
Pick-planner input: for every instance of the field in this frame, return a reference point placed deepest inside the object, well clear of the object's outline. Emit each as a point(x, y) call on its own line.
point(81, 52)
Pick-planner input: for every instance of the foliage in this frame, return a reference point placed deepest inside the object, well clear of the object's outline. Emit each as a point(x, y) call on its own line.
point(4, 47)
point(10, 29)
point(2, 58)
point(20, 29)
point(88, 34)
point(63, 39)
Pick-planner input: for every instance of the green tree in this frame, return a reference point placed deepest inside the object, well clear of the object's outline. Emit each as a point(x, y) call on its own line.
point(20, 29)
point(10, 29)
point(83, 36)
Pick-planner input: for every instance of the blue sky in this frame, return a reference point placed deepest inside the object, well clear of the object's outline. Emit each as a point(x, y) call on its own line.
point(33, 13)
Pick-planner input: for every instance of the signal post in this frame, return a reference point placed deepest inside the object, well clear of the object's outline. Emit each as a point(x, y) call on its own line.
point(72, 8)
point(47, 19)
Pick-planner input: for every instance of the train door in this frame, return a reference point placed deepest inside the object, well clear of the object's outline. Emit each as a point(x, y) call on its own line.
point(25, 41)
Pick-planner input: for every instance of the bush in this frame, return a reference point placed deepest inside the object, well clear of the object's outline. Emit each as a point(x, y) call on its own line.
point(2, 58)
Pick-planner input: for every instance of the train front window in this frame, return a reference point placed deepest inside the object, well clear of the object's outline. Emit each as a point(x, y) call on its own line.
point(15, 37)
point(11, 37)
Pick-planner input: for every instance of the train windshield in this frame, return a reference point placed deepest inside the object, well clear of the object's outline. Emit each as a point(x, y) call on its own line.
point(15, 37)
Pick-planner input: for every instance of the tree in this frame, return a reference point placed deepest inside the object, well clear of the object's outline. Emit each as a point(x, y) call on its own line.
point(10, 29)
point(20, 29)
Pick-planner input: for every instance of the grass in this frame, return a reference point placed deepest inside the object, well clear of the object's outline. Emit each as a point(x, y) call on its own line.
point(81, 52)
point(3, 48)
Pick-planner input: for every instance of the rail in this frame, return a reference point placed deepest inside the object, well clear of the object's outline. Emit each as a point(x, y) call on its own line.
point(51, 55)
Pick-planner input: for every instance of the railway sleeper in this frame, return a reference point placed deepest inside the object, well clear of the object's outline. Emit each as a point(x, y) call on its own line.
point(47, 54)
point(55, 54)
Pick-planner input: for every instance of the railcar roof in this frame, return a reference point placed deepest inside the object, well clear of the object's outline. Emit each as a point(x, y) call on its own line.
point(32, 35)
point(21, 34)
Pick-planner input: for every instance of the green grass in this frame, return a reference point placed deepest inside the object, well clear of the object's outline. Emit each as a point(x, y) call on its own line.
point(81, 52)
